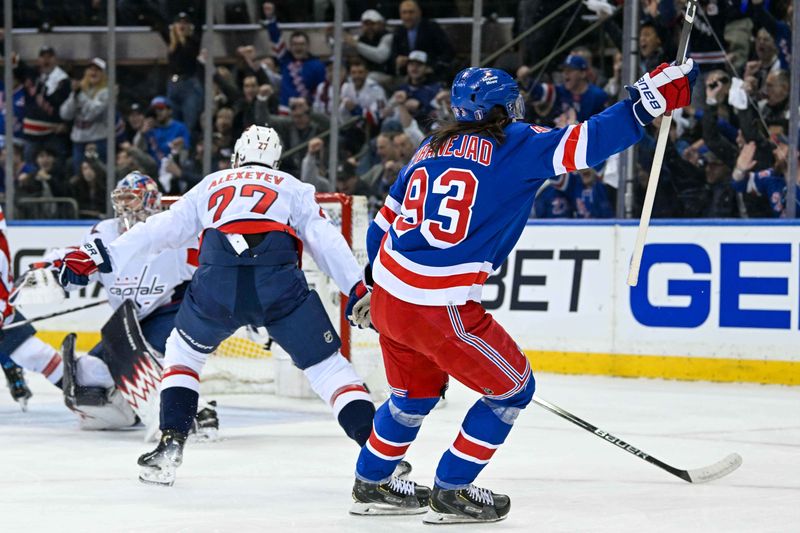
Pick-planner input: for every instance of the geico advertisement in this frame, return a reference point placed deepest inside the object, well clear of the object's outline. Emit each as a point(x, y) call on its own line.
point(29, 244)
point(715, 291)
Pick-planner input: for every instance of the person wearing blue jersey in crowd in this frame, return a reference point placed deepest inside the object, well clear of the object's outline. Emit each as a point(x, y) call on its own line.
point(769, 183)
point(552, 203)
point(301, 72)
point(586, 193)
point(576, 93)
point(164, 129)
point(452, 217)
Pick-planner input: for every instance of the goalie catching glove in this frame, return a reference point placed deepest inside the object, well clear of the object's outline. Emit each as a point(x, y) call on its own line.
point(78, 265)
point(357, 311)
point(37, 286)
point(666, 88)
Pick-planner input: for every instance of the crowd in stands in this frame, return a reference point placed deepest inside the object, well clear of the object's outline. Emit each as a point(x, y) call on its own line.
point(726, 155)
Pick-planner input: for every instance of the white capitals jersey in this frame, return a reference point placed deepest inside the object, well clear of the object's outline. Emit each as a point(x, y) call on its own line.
point(248, 199)
point(148, 279)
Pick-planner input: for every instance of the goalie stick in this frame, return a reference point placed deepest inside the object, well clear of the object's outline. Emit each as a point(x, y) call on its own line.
point(658, 156)
point(704, 474)
point(52, 315)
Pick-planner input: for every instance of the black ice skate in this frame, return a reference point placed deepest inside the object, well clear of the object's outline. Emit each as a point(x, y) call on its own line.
point(463, 506)
point(394, 497)
point(17, 385)
point(158, 467)
point(206, 423)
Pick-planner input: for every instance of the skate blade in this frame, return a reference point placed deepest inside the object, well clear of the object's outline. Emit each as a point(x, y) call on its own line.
point(383, 509)
point(434, 518)
point(161, 477)
point(23, 404)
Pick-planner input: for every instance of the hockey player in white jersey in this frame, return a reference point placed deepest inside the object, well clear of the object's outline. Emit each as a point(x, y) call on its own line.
point(254, 222)
point(155, 284)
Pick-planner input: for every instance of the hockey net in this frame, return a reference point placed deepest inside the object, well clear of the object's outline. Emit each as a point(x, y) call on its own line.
point(248, 362)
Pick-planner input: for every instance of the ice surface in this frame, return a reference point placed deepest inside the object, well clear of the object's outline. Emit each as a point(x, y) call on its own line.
point(285, 465)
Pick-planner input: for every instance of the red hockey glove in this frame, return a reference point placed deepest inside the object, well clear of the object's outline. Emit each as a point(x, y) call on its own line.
point(666, 88)
point(79, 264)
point(357, 311)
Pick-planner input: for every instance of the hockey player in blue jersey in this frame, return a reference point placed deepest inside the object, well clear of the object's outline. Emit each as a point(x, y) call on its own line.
point(452, 217)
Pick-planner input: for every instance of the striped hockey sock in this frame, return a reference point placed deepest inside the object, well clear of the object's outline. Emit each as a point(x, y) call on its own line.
point(479, 437)
point(180, 386)
point(395, 427)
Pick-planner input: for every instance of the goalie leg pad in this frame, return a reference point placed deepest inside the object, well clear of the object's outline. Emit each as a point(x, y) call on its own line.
point(115, 413)
point(132, 362)
point(91, 371)
point(306, 333)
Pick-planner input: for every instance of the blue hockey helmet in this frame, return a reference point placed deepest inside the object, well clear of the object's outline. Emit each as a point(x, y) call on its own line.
point(477, 90)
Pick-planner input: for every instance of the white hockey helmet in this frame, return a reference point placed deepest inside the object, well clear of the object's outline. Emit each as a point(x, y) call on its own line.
point(257, 145)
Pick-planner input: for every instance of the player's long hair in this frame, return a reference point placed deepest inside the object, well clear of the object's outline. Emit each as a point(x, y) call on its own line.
point(492, 126)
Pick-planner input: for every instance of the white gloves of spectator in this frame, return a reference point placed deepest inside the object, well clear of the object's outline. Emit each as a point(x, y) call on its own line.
point(737, 96)
point(600, 8)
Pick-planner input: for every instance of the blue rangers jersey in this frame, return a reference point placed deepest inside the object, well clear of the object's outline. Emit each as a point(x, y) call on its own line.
point(452, 218)
point(767, 183)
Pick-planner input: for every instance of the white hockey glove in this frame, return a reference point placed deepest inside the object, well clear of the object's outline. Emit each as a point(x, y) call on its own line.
point(358, 303)
point(37, 286)
point(666, 88)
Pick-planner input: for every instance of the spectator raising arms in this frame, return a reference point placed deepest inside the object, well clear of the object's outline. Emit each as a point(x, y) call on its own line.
point(301, 72)
point(86, 106)
point(183, 87)
point(576, 93)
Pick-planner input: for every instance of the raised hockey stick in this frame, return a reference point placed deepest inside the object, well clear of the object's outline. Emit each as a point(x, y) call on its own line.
point(704, 474)
point(52, 315)
point(658, 157)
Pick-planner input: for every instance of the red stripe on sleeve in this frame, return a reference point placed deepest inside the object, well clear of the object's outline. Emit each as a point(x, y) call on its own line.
point(388, 214)
point(569, 148)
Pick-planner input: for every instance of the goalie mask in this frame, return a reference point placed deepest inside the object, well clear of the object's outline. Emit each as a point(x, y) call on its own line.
point(258, 145)
point(135, 198)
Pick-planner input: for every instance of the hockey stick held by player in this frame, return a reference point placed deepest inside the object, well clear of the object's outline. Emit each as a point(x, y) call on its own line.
point(452, 217)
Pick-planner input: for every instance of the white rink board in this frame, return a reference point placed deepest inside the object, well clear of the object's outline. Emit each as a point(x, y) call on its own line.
point(539, 298)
